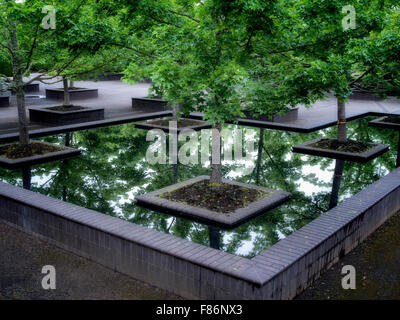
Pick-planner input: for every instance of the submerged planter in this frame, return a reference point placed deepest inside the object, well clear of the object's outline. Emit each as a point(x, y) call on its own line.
point(196, 125)
point(60, 118)
point(13, 164)
point(74, 94)
point(385, 123)
point(230, 220)
point(362, 157)
point(149, 105)
point(291, 115)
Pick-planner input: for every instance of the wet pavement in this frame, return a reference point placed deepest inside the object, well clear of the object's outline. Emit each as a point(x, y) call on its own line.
point(22, 257)
point(377, 265)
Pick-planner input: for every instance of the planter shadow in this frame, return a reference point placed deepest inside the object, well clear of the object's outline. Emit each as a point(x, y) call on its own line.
point(363, 157)
point(13, 164)
point(197, 127)
point(74, 94)
point(222, 220)
point(60, 118)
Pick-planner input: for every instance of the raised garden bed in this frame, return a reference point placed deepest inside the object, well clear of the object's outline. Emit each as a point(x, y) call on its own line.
point(4, 102)
point(149, 105)
point(108, 77)
point(182, 124)
point(37, 153)
point(74, 93)
point(29, 88)
point(238, 202)
point(389, 122)
point(362, 95)
point(291, 115)
point(60, 116)
point(330, 148)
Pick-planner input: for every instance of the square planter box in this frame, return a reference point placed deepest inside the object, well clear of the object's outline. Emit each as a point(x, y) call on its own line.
point(13, 164)
point(149, 105)
point(60, 118)
point(29, 88)
point(4, 102)
point(76, 94)
point(222, 220)
point(378, 123)
point(109, 77)
point(363, 157)
point(149, 126)
point(291, 115)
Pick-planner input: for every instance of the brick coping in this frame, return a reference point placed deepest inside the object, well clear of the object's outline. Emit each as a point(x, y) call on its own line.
point(256, 271)
point(226, 221)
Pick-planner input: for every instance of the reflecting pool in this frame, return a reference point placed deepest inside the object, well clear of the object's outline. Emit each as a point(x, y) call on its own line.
point(113, 170)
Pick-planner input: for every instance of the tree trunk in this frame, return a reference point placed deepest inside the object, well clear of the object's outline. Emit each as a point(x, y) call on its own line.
point(176, 109)
point(19, 87)
point(67, 101)
point(215, 237)
point(342, 129)
point(67, 139)
point(71, 84)
point(216, 172)
point(259, 155)
point(26, 178)
point(175, 172)
point(337, 178)
point(398, 152)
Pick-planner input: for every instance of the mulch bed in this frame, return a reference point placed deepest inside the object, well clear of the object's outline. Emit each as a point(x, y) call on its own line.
point(181, 123)
point(392, 119)
point(224, 198)
point(66, 108)
point(348, 146)
point(16, 151)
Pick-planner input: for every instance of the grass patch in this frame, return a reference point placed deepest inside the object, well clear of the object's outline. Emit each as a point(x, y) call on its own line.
point(16, 151)
point(348, 146)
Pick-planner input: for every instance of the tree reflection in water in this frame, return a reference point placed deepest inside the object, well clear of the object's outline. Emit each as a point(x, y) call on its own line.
point(113, 169)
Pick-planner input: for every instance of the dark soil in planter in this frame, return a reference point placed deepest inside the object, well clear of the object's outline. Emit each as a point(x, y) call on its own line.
point(181, 123)
point(16, 151)
point(225, 198)
point(391, 119)
point(349, 146)
point(66, 108)
point(72, 88)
